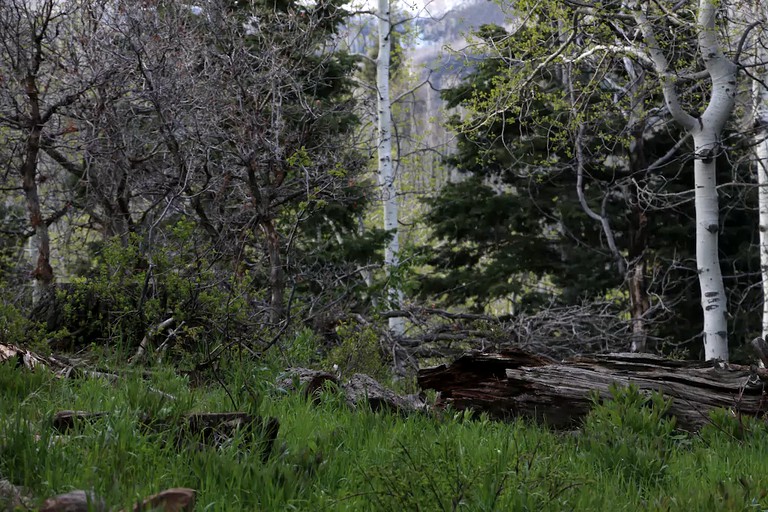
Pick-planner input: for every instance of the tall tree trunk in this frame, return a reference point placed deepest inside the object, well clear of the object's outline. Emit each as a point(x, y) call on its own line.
point(761, 157)
point(706, 130)
point(639, 302)
point(262, 188)
point(760, 98)
point(39, 243)
point(385, 168)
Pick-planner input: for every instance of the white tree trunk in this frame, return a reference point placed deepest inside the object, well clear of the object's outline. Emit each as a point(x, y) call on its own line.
point(713, 301)
point(760, 96)
point(761, 153)
point(706, 130)
point(386, 169)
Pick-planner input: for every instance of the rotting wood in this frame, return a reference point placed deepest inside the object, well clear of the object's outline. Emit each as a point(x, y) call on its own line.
point(213, 429)
point(14, 498)
point(74, 501)
point(178, 499)
point(363, 389)
point(310, 381)
point(760, 348)
point(358, 390)
point(64, 421)
point(516, 383)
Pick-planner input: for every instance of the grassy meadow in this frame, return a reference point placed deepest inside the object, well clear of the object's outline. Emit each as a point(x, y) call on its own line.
point(626, 456)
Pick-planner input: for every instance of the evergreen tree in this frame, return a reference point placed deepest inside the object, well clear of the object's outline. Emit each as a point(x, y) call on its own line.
point(514, 229)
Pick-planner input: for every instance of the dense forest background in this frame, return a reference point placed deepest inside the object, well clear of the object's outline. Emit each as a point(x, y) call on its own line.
point(199, 180)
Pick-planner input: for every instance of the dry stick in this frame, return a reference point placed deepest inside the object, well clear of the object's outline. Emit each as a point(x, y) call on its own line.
point(143, 346)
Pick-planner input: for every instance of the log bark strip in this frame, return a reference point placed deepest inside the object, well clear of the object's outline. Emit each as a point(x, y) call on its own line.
point(515, 383)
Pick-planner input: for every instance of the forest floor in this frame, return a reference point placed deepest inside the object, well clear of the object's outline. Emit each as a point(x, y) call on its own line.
point(330, 457)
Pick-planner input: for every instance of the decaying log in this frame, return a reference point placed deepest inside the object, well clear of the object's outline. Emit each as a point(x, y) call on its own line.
point(75, 501)
point(61, 367)
point(14, 498)
point(63, 421)
point(516, 383)
point(22, 357)
point(358, 390)
point(362, 389)
point(310, 381)
point(213, 429)
point(178, 499)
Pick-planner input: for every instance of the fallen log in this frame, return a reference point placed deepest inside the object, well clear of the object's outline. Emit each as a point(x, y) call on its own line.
point(178, 499)
point(516, 383)
point(14, 498)
point(358, 390)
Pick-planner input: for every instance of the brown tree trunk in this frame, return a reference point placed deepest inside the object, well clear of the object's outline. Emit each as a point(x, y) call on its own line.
point(263, 183)
point(638, 221)
point(276, 272)
point(40, 249)
point(639, 301)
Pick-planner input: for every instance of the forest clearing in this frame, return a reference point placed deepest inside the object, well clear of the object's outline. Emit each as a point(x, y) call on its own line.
point(336, 255)
point(628, 453)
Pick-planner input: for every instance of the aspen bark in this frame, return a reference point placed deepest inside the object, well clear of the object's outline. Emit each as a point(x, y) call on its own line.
point(760, 98)
point(386, 169)
point(705, 129)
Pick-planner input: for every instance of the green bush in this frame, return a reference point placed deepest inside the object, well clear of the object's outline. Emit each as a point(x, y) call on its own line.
point(17, 329)
point(303, 350)
point(725, 424)
point(358, 352)
point(631, 434)
point(133, 286)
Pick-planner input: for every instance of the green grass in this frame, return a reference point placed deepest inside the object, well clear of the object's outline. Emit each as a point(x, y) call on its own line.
point(331, 458)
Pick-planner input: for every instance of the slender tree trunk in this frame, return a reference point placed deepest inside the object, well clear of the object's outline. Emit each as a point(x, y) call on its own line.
point(760, 98)
point(761, 153)
point(39, 243)
point(262, 190)
point(706, 130)
point(276, 273)
point(639, 302)
point(713, 301)
point(386, 169)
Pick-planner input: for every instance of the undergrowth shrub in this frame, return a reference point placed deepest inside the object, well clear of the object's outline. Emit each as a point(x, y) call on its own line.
point(726, 424)
point(133, 286)
point(17, 329)
point(358, 351)
point(631, 434)
point(303, 349)
point(470, 464)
